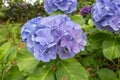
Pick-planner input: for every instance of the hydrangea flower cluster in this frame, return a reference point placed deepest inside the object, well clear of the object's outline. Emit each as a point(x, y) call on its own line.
point(85, 10)
point(67, 6)
point(106, 15)
point(51, 36)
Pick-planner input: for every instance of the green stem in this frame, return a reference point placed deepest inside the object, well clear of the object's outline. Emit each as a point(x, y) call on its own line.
point(114, 63)
point(118, 65)
point(2, 75)
point(4, 70)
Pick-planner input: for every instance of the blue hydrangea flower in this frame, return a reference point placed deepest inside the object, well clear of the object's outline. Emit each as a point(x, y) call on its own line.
point(67, 6)
point(51, 36)
point(28, 30)
point(39, 39)
point(85, 10)
point(106, 15)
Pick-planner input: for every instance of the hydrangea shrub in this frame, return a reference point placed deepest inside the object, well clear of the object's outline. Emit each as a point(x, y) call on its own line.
point(48, 38)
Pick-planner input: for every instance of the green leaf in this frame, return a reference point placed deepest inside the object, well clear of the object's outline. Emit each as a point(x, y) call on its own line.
point(71, 70)
point(31, 78)
point(78, 19)
point(119, 74)
point(26, 61)
point(4, 49)
point(11, 55)
point(90, 22)
point(90, 60)
point(2, 14)
point(106, 74)
point(56, 13)
point(91, 30)
point(86, 27)
point(90, 78)
point(14, 74)
point(43, 73)
point(96, 40)
point(111, 48)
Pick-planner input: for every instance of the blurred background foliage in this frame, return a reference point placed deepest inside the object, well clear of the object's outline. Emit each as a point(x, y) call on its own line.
point(21, 11)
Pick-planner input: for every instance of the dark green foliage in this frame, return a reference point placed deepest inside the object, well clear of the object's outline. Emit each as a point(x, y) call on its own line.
point(82, 3)
point(21, 11)
point(0, 3)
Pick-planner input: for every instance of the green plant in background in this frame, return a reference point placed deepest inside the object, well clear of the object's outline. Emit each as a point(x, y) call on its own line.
point(19, 11)
point(9, 40)
point(1, 3)
point(10, 32)
point(2, 15)
point(82, 3)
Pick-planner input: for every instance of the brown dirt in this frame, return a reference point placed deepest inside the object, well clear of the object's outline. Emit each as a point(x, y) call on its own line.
point(2, 21)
